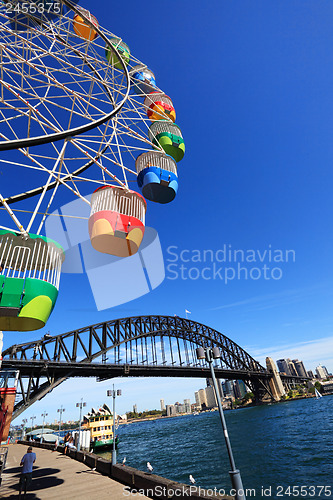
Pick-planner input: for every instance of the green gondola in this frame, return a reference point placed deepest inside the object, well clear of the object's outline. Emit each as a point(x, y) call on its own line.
point(30, 270)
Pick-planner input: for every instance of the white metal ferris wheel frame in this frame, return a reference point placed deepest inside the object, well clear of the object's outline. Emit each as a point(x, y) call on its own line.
point(45, 139)
point(78, 139)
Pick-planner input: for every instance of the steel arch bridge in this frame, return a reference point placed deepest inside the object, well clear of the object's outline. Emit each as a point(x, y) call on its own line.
point(159, 346)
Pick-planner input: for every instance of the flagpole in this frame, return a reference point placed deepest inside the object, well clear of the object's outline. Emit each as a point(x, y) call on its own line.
point(186, 313)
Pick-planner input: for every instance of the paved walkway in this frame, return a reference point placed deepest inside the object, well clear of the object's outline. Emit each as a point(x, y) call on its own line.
point(57, 476)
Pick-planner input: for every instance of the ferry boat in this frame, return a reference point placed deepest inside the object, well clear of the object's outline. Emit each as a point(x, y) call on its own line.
point(100, 424)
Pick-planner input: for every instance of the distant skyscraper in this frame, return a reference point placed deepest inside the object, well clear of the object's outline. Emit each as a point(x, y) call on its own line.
point(228, 388)
point(162, 404)
point(210, 397)
point(180, 408)
point(292, 368)
point(135, 409)
point(239, 389)
point(283, 366)
point(287, 366)
point(171, 410)
point(200, 398)
point(209, 382)
point(300, 369)
point(310, 374)
point(321, 372)
point(187, 404)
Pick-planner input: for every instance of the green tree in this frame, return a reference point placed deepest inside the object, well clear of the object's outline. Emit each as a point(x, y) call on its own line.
point(248, 396)
point(318, 386)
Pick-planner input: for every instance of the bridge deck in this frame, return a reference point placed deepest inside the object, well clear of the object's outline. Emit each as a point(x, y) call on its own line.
point(57, 476)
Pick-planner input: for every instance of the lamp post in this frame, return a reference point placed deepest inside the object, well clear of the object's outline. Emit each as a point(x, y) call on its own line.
point(113, 394)
point(80, 405)
point(209, 354)
point(61, 411)
point(32, 422)
point(44, 414)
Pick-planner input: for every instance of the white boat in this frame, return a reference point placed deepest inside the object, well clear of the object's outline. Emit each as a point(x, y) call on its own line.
point(317, 393)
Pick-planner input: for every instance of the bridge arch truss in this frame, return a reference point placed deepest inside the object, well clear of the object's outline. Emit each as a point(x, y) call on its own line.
point(134, 346)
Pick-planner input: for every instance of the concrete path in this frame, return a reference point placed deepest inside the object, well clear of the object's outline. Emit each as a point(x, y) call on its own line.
point(57, 476)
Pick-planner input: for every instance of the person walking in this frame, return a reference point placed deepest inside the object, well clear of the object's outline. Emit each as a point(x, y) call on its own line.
point(66, 441)
point(26, 475)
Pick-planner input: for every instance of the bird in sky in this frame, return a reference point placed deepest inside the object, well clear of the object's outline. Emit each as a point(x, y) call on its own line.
point(191, 479)
point(149, 467)
point(124, 460)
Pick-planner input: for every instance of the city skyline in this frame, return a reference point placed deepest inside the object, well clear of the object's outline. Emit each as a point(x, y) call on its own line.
point(123, 403)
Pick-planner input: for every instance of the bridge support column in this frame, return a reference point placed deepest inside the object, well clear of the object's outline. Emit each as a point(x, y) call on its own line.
point(261, 391)
point(275, 382)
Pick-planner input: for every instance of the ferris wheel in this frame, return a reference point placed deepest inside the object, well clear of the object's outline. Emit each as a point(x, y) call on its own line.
point(79, 114)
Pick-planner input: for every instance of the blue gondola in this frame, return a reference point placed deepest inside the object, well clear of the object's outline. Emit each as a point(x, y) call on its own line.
point(143, 80)
point(157, 176)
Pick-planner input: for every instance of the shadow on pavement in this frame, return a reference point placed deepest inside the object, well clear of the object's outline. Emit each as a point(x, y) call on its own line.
point(37, 471)
point(42, 478)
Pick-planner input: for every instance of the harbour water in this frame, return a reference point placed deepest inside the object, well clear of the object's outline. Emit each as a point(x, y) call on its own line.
point(276, 447)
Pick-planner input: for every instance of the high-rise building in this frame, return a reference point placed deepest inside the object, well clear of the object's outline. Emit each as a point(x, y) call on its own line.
point(180, 408)
point(283, 366)
point(200, 399)
point(239, 389)
point(292, 368)
point(135, 409)
point(275, 382)
point(187, 404)
point(209, 382)
point(162, 404)
point(228, 389)
point(300, 368)
point(321, 372)
point(287, 366)
point(210, 397)
point(310, 374)
point(171, 410)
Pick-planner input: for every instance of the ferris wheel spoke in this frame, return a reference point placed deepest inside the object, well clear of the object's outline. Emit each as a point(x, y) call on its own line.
point(57, 163)
point(13, 216)
point(48, 208)
point(119, 152)
point(99, 164)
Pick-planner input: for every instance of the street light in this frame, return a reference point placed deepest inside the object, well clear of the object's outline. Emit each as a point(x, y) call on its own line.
point(44, 414)
point(113, 394)
point(61, 411)
point(209, 354)
point(80, 405)
point(32, 422)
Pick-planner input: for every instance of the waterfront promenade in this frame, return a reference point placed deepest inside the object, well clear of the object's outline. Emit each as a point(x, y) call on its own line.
point(58, 476)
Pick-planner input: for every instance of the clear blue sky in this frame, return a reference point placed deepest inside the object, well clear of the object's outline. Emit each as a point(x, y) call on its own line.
point(252, 86)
